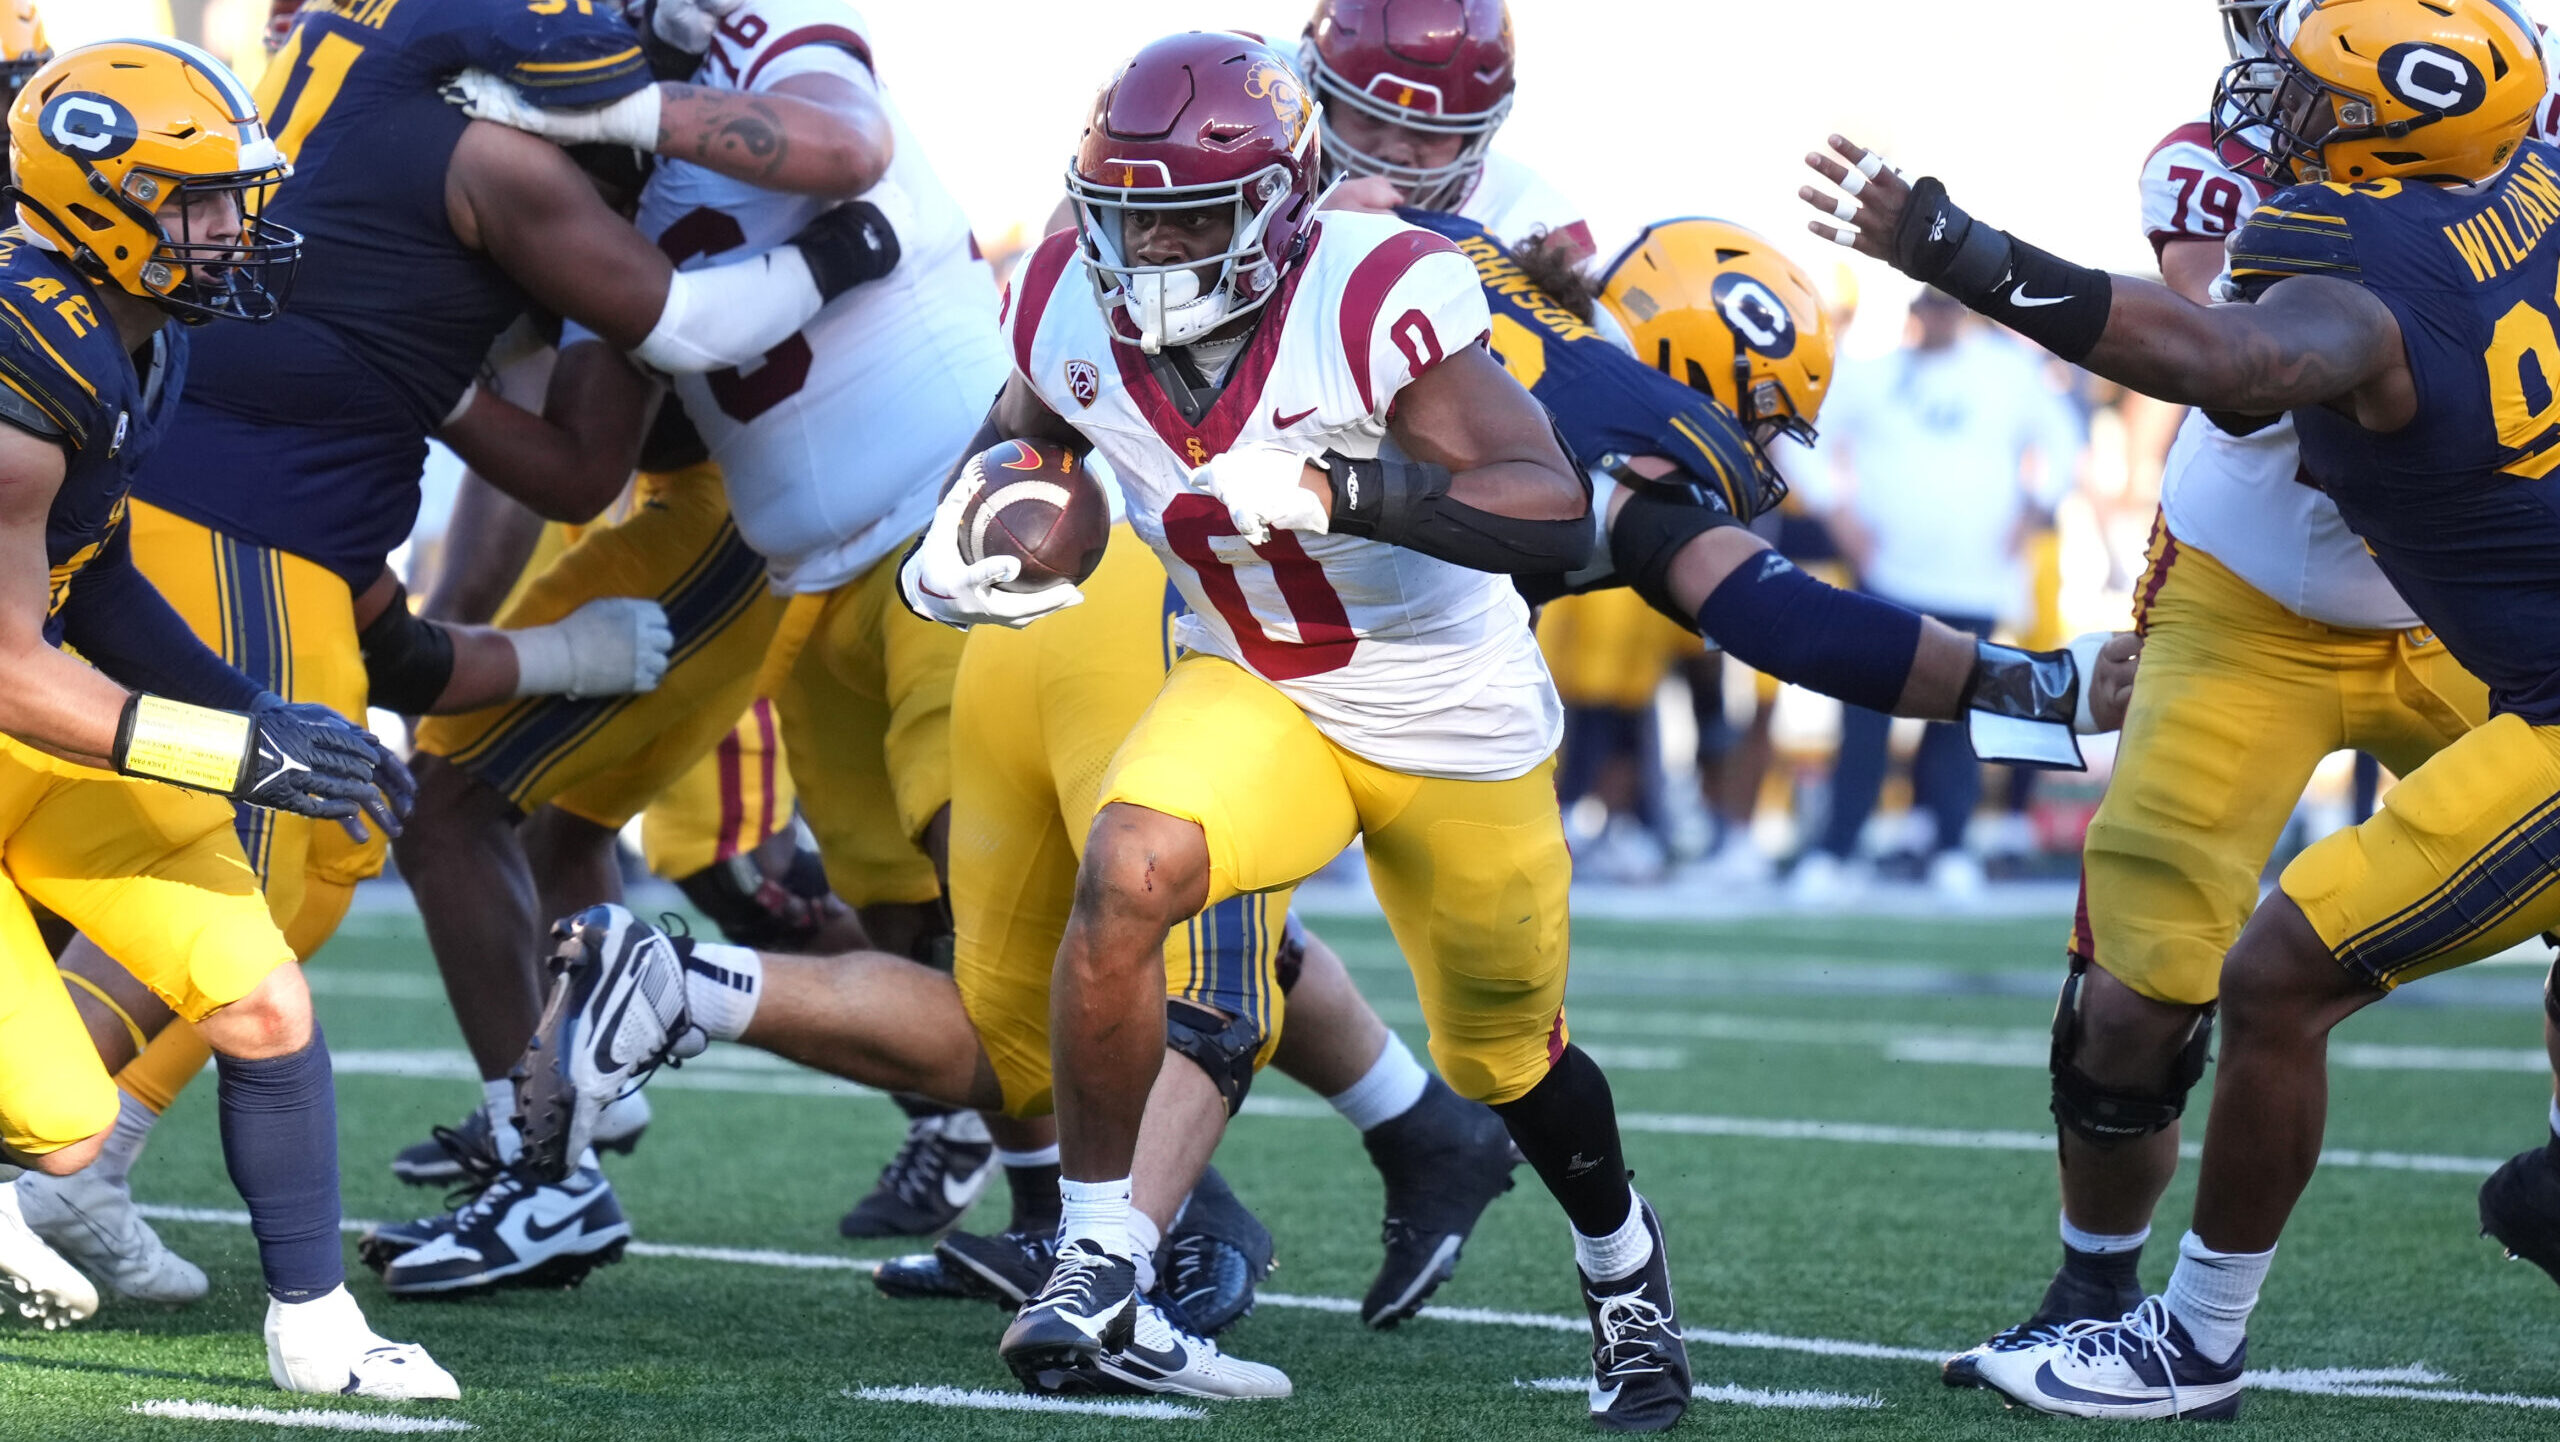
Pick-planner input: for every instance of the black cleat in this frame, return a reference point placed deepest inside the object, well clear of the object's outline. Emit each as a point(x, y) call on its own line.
point(924, 1276)
point(2520, 1207)
point(1214, 1257)
point(614, 1015)
point(1089, 1306)
point(2071, 1298)
point(938, 1171)
point(1008, 1268)
point(1444, 1161)
point(440, 1161)
point(519, 1232)
point(1639, 1359)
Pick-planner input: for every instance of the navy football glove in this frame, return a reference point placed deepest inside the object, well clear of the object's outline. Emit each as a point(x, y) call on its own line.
point(310, 760)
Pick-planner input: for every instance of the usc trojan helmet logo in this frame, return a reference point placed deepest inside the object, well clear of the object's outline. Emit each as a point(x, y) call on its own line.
point(1273, 82)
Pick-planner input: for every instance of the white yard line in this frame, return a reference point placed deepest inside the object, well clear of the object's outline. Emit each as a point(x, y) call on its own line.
point(1744, 1396)
point(1024, 1402)
point(299, 1417)
point(2326, 1381)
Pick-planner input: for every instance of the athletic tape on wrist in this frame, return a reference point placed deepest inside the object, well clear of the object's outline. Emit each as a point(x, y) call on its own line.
point(171, 741)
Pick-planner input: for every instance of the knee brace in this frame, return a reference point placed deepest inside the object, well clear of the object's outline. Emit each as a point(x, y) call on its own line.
point(1223, 1048)
point(2109, 1116)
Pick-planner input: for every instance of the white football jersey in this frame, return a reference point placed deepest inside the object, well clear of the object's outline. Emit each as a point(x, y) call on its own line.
point(1517, 204)
point(1412, 663)
point(2236, 497)
point(835, 445)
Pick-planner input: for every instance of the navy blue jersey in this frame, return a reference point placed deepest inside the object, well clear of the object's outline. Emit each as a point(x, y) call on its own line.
point(307, 434)
point(68, 378)
point(2461, 506)
point(1608, 404)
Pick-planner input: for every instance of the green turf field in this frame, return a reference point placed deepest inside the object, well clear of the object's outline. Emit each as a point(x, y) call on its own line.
point(1842, 1122)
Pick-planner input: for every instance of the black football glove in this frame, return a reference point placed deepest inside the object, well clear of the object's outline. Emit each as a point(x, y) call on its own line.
point(310, 760)
point(846, 246)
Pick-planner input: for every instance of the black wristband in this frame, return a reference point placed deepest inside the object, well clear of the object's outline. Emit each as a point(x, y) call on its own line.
point(1379, 497)
point(847, 246)
point(2058, 305)
point(2028, 685)
point(1400, 501)
point(124, 729)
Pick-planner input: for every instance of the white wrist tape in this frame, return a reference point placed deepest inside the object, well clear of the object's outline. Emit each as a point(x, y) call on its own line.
point(2084, 654)
point(631, 121)
point(612, 646)
point(727, 315)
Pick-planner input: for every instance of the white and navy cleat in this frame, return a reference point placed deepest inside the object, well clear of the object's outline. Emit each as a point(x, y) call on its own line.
point(325, 1346)
point(616, 1011)
point(2141, 1366)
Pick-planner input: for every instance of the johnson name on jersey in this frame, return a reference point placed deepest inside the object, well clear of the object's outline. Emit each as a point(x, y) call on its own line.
point(1407, 661)
point(835, 443)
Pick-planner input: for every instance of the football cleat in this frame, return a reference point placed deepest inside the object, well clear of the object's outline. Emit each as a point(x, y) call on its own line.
point(2141, 1365)
point(616, 1011)
point(34, 1278)
point(1010, 1268)
point(519, 1232)
point(2071, 1298)
point(91, 1221)
point(938, 1171)
point(324, 1346)
point(1088, 1306)
point(2520, 1207)
point(924, 1276)
point(1639, 1360)
point(438, 1161)
point(1444, 1161)
point(1214, 1257)
point(1161, 1357)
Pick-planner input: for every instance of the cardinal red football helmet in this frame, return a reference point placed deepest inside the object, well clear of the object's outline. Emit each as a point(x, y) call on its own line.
point(1202, 119)
point(1438, 66)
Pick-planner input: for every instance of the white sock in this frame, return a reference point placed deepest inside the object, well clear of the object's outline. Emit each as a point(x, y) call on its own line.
point(2214, 1292)
point(1393, 1083)
point(124, 1145)
point(1017, 1161)
point(498, 1104)
point(1097, 1212)
point(1144, 1232)
point(2100, 1243)
point(1619, 1254)
point(722, 985)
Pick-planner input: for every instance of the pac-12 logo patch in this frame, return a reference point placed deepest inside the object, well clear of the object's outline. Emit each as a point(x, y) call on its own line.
point(1084, 381)
point(89, 125)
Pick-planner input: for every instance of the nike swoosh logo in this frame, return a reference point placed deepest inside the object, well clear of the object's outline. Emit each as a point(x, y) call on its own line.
point(1280, 422)
point(536, 1230)
point(605, 1058)
point(1603, 1401)
point(957, 1191)
point(2049, 1385)
point(2024, 301)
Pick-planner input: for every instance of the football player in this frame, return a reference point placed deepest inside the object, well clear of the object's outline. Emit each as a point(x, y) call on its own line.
point(95, 330)
point(2379, 270)
point(2273, 639)
point(860, 687)
point(23, 48)
point(292, 471)
point(1412, 94)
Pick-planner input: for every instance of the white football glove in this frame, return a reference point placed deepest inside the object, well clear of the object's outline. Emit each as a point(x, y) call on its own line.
point(939, 585)
point(615, 646)
point(687, 24)
point(631, 121)
point(1258, 485)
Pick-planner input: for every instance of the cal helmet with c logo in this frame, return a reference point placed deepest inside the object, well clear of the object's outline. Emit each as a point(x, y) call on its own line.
point(118, 150)
point(1720, 309)
point(2358, 90)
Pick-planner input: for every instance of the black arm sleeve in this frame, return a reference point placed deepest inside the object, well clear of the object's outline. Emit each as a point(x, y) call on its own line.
point(408, 659)
point(118, 621)
point(1404, 502)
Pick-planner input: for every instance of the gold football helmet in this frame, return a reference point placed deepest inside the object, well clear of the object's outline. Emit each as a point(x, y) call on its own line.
point(1717, 307)
point(2357, 90)
point(23, 49)
point(145, 162)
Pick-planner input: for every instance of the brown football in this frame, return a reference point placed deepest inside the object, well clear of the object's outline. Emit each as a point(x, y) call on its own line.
point(1037, 501)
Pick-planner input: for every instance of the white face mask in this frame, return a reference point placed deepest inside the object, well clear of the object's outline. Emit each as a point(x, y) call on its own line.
point(1168, 309)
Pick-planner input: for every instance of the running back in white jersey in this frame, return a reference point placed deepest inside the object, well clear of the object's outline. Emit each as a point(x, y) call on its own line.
point(835, 445)
point(1407, 661)
point(1517, 205)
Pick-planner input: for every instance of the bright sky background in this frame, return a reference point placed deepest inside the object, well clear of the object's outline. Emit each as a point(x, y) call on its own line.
point(2037, 113)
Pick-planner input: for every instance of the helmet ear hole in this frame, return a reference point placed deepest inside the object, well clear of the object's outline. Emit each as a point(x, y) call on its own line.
point(90, 218)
